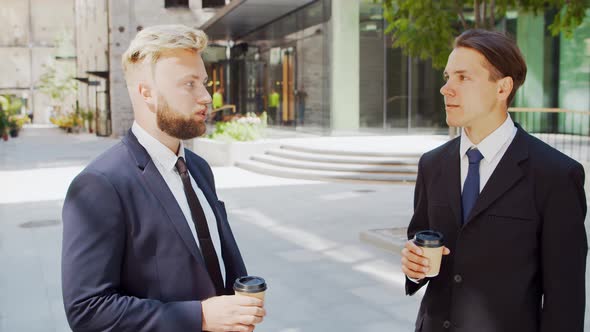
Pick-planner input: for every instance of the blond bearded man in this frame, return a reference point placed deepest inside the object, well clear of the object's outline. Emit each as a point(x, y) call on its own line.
point(146, 243)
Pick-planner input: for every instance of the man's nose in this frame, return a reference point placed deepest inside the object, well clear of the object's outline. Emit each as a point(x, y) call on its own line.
point(446, 90)
point(205, 97)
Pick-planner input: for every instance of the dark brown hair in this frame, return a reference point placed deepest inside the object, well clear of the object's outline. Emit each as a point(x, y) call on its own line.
point(503, 55)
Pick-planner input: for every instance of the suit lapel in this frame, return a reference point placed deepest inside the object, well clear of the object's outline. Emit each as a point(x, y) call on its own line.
point(160, 189)
point(451, 178)
point(505, 176)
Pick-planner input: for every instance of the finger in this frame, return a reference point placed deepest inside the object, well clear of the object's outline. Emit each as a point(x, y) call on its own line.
point(242, 328)
point(254, 311)
point(413, 266)
point(446, 251)
point(411, 246)
point(249, 319)
point(413, 258)
point(248, 301)
point(413, 274)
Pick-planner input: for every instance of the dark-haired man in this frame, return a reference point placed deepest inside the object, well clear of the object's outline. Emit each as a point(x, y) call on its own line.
point(511, 208)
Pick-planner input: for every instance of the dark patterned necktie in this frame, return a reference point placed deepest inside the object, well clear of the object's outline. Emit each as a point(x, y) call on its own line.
point(200, 221)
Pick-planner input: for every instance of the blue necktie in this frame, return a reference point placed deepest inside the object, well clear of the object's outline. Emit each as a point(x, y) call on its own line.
point(471, 185)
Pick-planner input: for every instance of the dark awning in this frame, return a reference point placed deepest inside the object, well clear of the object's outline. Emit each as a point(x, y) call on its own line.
point(241, 17)
point(101, 74)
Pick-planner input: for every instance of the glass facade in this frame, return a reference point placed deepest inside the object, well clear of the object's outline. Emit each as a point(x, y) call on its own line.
point(557, 77)
point(396, 91)
point(284, 68)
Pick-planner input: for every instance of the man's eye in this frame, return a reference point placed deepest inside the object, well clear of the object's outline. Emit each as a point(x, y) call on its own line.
point(190, 84)
point(463, 77)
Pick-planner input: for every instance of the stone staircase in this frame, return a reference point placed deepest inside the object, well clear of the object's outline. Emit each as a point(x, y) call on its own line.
point(313, 163)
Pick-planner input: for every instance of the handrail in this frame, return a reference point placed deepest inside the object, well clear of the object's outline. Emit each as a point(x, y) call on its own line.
point(224, 107)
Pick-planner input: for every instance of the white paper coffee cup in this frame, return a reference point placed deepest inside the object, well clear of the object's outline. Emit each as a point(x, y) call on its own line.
point(431, 243)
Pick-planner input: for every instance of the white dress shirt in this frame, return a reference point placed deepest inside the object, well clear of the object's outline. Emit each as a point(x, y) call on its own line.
point(493, 148)
point(165, 161)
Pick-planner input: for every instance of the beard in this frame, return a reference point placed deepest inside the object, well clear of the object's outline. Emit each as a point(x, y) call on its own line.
point(176, 124)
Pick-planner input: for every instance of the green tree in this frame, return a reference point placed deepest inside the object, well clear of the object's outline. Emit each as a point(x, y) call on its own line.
point(57, 81)
point(426, 28)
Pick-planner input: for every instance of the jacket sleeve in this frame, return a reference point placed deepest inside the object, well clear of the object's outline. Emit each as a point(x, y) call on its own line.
point(93, 247)
point(563, 253)
point(419, 221)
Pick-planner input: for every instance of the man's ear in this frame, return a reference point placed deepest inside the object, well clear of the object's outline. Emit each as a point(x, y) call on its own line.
point(147, 94)
point(505, 86)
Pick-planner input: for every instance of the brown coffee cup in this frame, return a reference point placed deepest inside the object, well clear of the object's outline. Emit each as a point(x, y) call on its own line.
point(250, 286)
point(431, 243)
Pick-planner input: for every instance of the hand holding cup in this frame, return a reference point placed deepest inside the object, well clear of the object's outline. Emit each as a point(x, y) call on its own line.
point(421, 256)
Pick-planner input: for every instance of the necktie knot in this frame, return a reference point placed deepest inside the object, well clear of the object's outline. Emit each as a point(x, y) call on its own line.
point(474, 156)
point(181, 165)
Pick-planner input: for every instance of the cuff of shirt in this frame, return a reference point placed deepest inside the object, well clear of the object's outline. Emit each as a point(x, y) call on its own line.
point(416, 281)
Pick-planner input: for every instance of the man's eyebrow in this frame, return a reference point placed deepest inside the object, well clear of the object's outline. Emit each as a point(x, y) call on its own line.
point(195, 77)
point(460, 71)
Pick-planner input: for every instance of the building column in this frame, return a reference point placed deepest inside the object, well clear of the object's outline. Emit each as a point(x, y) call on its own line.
point(344, 67)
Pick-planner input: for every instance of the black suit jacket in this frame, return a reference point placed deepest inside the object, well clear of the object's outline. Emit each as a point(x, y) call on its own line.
point(518, 264)
point(129, 260)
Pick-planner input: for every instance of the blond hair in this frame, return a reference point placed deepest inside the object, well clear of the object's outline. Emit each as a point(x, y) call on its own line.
point(149, 44)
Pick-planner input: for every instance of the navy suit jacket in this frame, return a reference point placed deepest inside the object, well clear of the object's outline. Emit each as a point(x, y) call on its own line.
point(129, 260)
point(519, 262)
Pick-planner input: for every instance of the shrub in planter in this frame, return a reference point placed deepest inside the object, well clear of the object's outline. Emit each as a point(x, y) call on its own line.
point(241, 129)
point(16, 123)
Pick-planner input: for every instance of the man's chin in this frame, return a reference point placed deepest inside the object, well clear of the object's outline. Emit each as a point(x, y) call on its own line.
point(453, 122)
point(186, 134)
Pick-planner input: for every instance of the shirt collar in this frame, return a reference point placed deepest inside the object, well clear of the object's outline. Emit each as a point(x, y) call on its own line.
point(157, 151)
point(491, 145)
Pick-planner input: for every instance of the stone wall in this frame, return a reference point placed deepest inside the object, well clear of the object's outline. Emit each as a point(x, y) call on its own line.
point(33, 27)
point(92, 33)
point(312, 75)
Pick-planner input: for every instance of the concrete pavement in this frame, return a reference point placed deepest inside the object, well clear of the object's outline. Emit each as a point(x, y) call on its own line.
point(302, 236)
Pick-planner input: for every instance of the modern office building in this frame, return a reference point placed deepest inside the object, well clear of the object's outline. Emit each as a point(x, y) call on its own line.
point(334, 69)
point(318, 66)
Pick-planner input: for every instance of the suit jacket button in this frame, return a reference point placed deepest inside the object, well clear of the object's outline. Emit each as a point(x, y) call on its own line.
point(446, 324)
point(458, 278)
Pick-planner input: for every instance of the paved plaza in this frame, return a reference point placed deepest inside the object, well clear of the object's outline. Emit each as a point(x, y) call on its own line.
point(301, 236)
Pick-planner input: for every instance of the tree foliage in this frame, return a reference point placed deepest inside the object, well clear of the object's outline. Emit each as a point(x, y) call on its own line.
point(426, 28)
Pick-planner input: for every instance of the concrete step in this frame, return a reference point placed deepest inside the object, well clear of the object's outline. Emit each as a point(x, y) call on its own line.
point(323, 175)
point(340, 167)
point(343, 159)
point(344, 152)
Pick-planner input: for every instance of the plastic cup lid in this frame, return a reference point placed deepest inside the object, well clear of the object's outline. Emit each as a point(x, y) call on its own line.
point(429, 239)
point(250, 284)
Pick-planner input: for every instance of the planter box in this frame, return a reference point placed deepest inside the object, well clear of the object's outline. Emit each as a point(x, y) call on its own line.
point(218, 153)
